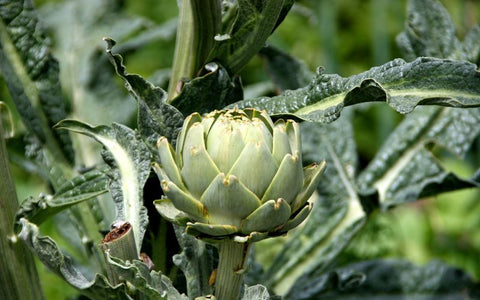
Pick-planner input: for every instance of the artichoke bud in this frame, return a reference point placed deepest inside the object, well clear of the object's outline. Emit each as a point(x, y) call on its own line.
point(236, 174)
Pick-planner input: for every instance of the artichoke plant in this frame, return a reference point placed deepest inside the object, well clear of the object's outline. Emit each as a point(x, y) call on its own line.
point(235, 174)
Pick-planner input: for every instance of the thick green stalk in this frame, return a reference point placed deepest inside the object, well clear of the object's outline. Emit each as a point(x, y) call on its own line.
point(199, 22)
point(231, 266)
point(18, 275)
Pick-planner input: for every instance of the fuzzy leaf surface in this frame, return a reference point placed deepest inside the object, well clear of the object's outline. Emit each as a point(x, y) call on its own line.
point(256, 292)
point(131, 164)
point(156, 118)
point(246, 26)
point(51, 256)
point(425, 81)
point(404, 168)
point(392, 279)
point(213, 90)
point(77, 27)
point(429, 31)
point(196, 260)
point(148, 284)
point(79, 189)
point(32, 75)
point(337, 213)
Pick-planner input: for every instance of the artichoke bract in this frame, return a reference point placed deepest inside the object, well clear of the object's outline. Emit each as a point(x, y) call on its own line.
point(236, 174)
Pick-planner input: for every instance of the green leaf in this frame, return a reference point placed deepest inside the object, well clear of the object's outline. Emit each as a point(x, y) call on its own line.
point(285, 71)
point(425, 81)
point(132, 168)
point(51, 256)
point(79, 189)
point(337, 214)
point(213, 90)
point(196, 262)
point(149, 284)
point(404, 169)
point(32, 76)
point(156, 118)
point(429, 31)
point(256, 292)
point(392, 279)
point(77, 28)
point(471, 46)
point(246, 26)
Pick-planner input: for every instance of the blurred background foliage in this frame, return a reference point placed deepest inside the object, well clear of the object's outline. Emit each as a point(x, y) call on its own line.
point(345, 37)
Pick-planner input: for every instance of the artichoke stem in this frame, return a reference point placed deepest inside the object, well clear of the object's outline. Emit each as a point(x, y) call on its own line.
point(231, 266)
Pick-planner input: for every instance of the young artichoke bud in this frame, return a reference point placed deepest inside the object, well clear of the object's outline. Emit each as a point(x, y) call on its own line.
point(236, 174)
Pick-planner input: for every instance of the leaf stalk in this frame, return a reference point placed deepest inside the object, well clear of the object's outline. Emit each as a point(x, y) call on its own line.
point(199, 22)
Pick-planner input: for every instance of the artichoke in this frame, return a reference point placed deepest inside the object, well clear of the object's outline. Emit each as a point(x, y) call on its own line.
point(236, 174)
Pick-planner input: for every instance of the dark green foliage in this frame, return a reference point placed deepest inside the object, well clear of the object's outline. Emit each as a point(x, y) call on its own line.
point(32, 75)
point(437, 86)
point(388, 279)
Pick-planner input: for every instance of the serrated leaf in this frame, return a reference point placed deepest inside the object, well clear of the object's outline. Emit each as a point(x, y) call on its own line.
point(337, 214)
point(213, 90)
point(79, 189)
point(246, 27)
point(132, 162)
point(32, 76)
point(51, 256)
point(156, 118)
point(429, 31)
point(392, 279)
point(196, 262)
point(149, 284)
point(425, 81)
point(404, 169)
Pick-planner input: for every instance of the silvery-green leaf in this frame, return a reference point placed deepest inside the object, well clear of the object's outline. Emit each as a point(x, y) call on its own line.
point(424, 81)
point(246, 27)
point(404, 169)
point(132, 164)
point(149, 284)
point(196, 261)
point(471, 46)
point(256, 292)
point(155, 117)
point(32, 76)
point(79, 189)
point(387, 279)
point(51, 256)
point(337, 215)
point(77, 28)
point(429, 31)
point(214, 89)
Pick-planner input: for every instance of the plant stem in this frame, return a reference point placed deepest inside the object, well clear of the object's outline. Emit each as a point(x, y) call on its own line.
point(119, 243)
point(18, 275)
point(231, 266)
point(199, 21)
